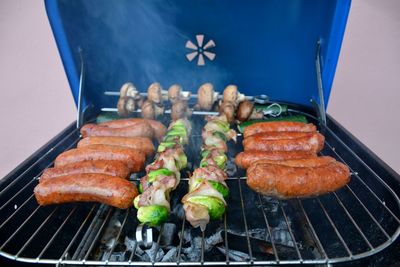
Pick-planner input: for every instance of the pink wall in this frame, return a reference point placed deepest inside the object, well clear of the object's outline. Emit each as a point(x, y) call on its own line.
point(36, 102)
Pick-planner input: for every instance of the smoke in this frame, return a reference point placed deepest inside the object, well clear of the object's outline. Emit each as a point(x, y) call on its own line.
point(142, 42)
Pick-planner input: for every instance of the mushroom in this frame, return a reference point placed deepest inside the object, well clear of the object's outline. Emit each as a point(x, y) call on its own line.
point(158, 110)
point(228, 108)
point(180, 110)
point(156, 94)
point(129, 99)
point(206, 96)
point(232, 94)
point(175, 93)
point(126, 105)
point(148, 110)
point(246, 111)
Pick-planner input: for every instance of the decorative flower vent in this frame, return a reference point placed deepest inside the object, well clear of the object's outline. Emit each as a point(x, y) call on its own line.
point(200, 50)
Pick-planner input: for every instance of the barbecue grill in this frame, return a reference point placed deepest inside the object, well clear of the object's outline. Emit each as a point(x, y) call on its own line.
point(286, 49)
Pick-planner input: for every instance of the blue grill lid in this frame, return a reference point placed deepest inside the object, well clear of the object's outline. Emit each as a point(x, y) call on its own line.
point(263, 46)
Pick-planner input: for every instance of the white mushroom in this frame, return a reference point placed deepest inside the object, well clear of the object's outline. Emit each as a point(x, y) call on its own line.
point(228, 108)
point(148, 110)
point(232, 94)
point(206, 96)
point(156, 94)
point(180, 110)
point(126, 105)
point(175, 93)
point(246, 111)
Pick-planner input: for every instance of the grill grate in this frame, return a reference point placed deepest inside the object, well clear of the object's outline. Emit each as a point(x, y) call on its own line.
point(352, 223)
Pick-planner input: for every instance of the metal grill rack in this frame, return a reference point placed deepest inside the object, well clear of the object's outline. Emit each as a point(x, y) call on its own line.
point(352, 223)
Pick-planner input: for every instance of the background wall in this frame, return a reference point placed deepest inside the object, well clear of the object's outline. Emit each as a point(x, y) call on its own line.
point(36, 102)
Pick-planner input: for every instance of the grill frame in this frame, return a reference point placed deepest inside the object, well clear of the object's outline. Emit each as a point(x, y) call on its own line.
point(53, 148)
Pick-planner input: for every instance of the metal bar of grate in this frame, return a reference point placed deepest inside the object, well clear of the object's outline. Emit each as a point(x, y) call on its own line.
point(245, 222)
point(202, 248)
point(36, 232)
point(19, 228)
point(35, 178)
point(77, 233)
point(118, 236)
point(226, 239)
point(48, 244)
point(335, 228)
point(16, 211)
point(268, 229)
point(97, 235)
point(153, 260)
point(290, 231)
point(316, 238)
point(179, 250)
point(36, 162)
point(355, 174)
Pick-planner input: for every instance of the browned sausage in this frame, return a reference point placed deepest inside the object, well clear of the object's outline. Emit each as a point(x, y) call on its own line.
point(159, 129)
point(312, 142)
point(113, 168)
point(246, 158)
point(142, 144)
point(86, 187)
point(278, 126)
point(134, 159)
point(142, 129)
point(277, 135)
point(310, 162)
point(288, 182)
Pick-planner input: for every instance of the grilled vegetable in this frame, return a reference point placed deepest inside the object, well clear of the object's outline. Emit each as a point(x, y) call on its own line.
point(153, 215)
point(216, 207)
point(223, 189)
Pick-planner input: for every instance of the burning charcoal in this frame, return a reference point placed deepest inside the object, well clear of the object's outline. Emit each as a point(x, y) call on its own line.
point(155, 251)
point(234, 255)
point(168, 234)
point(281, 235)
point(170, 256)
point(213, 240)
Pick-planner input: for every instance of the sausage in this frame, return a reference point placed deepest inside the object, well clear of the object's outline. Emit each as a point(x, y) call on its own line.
point(142, 144)
point(246, 158)
point(113, 168)
point(134, 159)
point(278, 126)
point(310, 162)
point(159, 129)
point(311, 142)
point(289, 182)
point(142, 129)
point(86, 187)
point(277, 135)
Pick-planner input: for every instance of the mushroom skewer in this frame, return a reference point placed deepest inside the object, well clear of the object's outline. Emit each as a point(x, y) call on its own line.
point(163, 175)
point(208, 192)
point(129, 100)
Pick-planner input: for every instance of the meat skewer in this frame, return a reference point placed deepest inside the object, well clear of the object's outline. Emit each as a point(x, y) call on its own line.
point(163, 175)
point(206, 199)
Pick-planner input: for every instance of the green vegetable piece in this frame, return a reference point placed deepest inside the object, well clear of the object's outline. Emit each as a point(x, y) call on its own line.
point(220, 188)
point(205, 153)
point(136, 202)
point(164, 145)
point(177, 131)
point(153, 175)
point(203, 163)
point(174, 139)
point(217, 186)
point(153, 215)
point(181, 162)
point(140, 188)
point(297, 118)
point(220, 135)
point(222, 125)
point(216, 208)
point(221, 160)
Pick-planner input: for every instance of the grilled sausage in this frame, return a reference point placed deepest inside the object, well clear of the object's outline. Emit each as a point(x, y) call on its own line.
point(86, 187)
point(278, 126)
point(277, 135)
point(312, 142)
point(142, 144)
point(159, 129)
point(310, 162)
point(246, 158)
point(134, 159)
point(288, 182)
point(142, 129)
point(113, 168)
